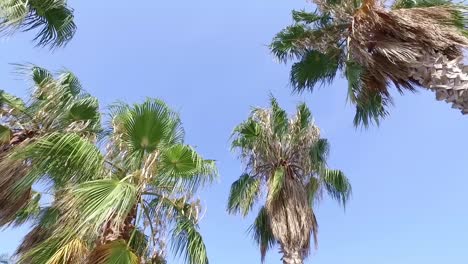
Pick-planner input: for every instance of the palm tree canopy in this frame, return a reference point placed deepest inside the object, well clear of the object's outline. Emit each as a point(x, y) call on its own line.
point(285, 158)
point(121, 205)
point(58, 105)
point(52, 19)
point(371, 45)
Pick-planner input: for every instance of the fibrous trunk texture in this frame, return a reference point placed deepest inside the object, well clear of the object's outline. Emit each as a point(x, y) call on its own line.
point(291, 256)
point(292, 221)
point(447, 78)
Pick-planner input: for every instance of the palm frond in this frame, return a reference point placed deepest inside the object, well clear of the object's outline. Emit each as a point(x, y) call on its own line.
point(187, 241)
point(419, 3)
point(5, 135)
point(56, 250)
point(65, 158)
point(279, 120)
point(92, 204)
point(314, 68)
point(30, 212)
point(149, 126)
point(115, 252)
point(337, 185)
point(276, 184)
point(243, 195)
point(262, 233)
point(181, 163)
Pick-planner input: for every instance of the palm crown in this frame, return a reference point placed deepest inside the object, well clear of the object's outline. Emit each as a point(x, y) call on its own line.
point(113, 203)
point(120, 206)
point(375, 47)
point(287, 158)
point(52, 18)
point(57, 105)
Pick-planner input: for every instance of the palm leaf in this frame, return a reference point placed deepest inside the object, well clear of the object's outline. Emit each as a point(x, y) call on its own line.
point(65, 158)
point(244, 193)
point(94, 203)
point(149, 126)
point(314, 68)
point(116, 252)
point(276, 184)
point(184, 165)
point(337, 185)
point(187, 241)
point(262, 233)
point(5, 135)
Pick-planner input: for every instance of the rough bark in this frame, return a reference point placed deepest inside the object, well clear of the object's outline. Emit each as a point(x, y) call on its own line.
point(447, 78)
point(291, 255)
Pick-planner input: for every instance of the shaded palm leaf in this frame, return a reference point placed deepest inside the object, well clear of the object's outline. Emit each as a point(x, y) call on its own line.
point(244, 193)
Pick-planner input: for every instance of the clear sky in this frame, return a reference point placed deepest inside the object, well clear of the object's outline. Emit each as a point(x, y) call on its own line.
point(208, 59)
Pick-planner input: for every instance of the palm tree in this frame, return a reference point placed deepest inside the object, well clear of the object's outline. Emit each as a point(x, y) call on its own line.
point(52, 18)
point(286, 158)
point(124, 204)
point(56, 105)
point(412, 43)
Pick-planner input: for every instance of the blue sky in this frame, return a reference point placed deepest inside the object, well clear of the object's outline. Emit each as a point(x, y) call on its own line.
point(208, 59)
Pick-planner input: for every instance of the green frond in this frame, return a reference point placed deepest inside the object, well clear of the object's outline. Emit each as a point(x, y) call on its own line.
point(70, 82)
point(5, 135)
point(314, 68)
point(370, 108)
point(304, 116)
point(289, 43)
point(40, 76)
point(65, 158)
point(262, 233)
point(303, 16)
point(54, 20)
point(353, 74)
point(10, 101)
point(244, 193)
point(115, 252)
point(337, 185)
point(313, 190)
point(149, 126)
point(245, 134)
point(56, 250)
point(184, 165)
point(30, 212)
point(84, 110)
point(42, 230)
point(279, 119)
point(91, 204)
point(319, 152)
point(399, 4)
point(276, 183)
point(139, 242)
point(187, 241)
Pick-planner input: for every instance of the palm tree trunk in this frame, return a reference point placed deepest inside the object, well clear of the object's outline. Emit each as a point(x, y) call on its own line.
point(291, 255)
point(447, 78)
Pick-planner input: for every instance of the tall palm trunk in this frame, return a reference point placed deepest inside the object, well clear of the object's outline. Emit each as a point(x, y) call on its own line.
point(447, 78)
point(291, 255)
point(292, 220)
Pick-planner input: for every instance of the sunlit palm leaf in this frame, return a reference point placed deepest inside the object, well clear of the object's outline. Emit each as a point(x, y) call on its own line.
point(92, 204)
point(187, 241)
point(116, 252)
point(65, 158)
